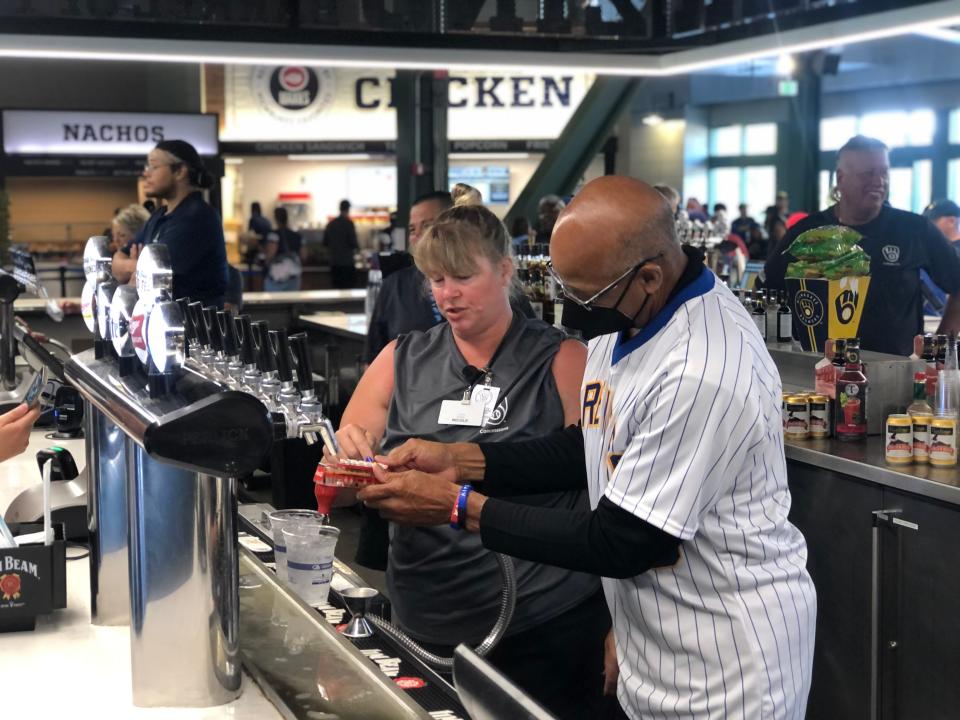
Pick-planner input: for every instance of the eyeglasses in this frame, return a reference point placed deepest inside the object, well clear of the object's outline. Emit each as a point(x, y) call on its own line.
point(586, 304)
point(148, 168)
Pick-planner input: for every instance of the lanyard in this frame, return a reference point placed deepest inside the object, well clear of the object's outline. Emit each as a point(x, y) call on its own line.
point(474, 375)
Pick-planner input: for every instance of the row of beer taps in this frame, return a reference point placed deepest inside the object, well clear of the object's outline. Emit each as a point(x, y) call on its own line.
point(146, 324)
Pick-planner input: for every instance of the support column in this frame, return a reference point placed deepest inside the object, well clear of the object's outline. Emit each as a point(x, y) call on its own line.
point(421, 100)
point(798, 147)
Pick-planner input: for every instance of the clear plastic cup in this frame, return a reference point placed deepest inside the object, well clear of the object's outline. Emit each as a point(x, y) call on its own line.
point(279, 519)
point(310, 548)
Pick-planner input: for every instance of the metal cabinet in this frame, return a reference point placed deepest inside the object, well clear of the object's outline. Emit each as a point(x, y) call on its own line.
point(834, 513)
point(918, 626)
point(885, 564)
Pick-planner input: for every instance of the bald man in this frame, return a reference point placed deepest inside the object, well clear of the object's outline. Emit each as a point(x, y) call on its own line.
point(680, 446)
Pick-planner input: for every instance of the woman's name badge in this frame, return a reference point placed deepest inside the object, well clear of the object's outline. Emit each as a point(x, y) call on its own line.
point(455, 412)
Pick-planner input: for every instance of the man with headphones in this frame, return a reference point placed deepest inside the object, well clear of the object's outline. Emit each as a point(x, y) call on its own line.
point(174, 175)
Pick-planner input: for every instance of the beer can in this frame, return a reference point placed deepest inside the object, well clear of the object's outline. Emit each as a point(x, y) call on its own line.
point(943, 442)
point(797, 418)
point(898, 441)
point(819, 416)
point(921, 438)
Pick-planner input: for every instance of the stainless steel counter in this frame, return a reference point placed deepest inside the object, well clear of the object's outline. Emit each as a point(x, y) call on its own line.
point(865, 460)
point(304, 297)
point(30, 305)
point(348, 325)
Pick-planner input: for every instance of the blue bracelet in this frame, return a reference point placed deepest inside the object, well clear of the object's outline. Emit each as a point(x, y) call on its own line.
point(460, 511)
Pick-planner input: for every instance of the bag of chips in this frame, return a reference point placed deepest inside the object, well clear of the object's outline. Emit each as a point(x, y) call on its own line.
point(824, 243)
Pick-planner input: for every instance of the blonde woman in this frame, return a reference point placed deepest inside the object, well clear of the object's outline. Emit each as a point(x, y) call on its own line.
point(524, 377)
point(126, 224)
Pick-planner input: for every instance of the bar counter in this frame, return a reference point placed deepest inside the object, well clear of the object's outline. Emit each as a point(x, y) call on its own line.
point(865, 461)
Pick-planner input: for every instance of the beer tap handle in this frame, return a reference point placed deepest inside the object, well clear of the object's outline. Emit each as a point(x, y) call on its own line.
point(228, 331)
point(248, 351)
point(213, 328)
point(301, 354)
point(266, 360)
point(281, 351)
point(199, 326)
point(189, 333)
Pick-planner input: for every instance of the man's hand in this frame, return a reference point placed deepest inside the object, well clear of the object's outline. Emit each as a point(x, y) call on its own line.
point(430, 457)
point(411, 497)
point(611, 670)
point(15, 429)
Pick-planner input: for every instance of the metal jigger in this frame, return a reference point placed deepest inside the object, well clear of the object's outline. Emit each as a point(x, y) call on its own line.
point(357, 600)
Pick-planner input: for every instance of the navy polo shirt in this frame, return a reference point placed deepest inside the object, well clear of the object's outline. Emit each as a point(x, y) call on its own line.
point(900, 244)
point(194, 234)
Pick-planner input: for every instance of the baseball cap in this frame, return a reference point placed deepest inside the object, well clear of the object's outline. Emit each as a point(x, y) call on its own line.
point(942, 208)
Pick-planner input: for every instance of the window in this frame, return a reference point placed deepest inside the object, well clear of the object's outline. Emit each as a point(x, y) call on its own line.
point(910, 187)
point(895, 128)
point(955, 128)
point(826, 200)
point(921, 126)
point(922, 184)
point(726, 141)
point(901, 187)
point(953, 180)
point(753, 185)
point(725, 187)
point(760, 139)
point(890, 127)
point(835, 131)
point(734, 140)
point(759, 188)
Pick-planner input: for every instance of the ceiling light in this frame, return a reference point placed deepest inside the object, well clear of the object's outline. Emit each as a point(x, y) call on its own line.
point(875, 26)
point(652, 120)
point(786, 65)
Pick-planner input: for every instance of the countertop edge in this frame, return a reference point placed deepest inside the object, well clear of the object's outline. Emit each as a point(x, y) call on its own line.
point(887, 476)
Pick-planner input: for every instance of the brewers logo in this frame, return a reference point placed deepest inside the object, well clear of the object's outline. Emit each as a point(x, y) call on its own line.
point(846, 305)
point(808, 308)
point(293, 92)
point(9, 586)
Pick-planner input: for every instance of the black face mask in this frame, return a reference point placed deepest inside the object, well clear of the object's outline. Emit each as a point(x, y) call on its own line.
point(598, 320)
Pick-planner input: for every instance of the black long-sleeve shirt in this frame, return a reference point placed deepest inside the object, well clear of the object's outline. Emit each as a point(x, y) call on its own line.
point(608, 541)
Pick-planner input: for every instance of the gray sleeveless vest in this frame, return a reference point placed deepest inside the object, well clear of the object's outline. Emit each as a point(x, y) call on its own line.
point(444, 586)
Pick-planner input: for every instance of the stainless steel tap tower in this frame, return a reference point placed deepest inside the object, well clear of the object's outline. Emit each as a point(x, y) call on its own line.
point(165, 444)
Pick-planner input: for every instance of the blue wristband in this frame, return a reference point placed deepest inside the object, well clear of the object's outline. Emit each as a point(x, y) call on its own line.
point(459, 518)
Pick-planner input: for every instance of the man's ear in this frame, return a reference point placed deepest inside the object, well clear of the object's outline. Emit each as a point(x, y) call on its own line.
point(651, 277)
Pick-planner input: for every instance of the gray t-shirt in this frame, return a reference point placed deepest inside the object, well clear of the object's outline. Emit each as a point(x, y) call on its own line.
point(444, 586)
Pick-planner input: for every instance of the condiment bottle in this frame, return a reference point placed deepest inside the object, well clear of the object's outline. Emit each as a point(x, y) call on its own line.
point(851, 404)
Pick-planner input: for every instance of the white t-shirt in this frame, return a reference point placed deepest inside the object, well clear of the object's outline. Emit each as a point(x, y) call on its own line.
point(682, 428)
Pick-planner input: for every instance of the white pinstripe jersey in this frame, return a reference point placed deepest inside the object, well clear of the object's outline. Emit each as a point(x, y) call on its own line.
point(681, 426)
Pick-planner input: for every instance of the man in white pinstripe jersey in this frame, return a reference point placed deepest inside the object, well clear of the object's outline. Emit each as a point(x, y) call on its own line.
point(680, 436)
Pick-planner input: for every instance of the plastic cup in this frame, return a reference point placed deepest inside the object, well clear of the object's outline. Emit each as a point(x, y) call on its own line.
point(310, 550)
point(279, 519)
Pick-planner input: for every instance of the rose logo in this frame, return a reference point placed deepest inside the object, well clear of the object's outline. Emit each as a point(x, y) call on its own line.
point(10, 586)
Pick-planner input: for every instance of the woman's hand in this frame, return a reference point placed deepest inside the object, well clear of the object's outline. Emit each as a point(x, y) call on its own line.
point(357, 443)
point(15, 429)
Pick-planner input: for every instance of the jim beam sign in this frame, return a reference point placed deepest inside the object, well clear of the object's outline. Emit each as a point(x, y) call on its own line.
point(12, 572)
point(42, 132)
